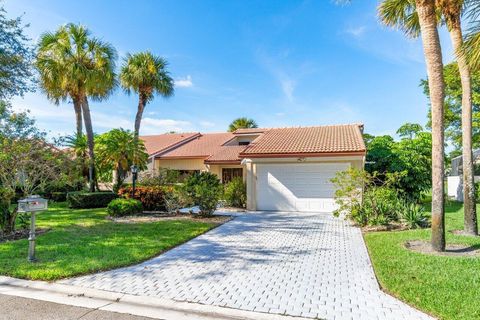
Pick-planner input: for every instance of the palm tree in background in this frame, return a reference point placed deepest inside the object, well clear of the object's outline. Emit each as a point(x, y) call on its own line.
point(74, 64)
point(78, 146)
point(146, 75)
point(416, 17)
point(118, 150)
point(242, 123)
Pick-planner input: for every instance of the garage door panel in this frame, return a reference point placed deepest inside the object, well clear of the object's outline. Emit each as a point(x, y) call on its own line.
point(297, 187)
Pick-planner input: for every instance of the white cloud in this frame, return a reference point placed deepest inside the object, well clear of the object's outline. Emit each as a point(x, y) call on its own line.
point(207, 124)
point(288, 86)
point(157, 126)
point(280, 114)
point(184, 82)
point(357, 31)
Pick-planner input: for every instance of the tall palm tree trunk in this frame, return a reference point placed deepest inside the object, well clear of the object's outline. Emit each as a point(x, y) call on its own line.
point(470, 211)
point(142, 101)
point(89, 129)
point(77, 106)
point(433, 58)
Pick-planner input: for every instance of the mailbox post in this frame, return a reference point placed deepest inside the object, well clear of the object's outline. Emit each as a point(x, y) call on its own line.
point(32, 204)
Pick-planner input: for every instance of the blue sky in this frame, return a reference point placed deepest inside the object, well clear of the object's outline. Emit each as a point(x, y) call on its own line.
point(283, 63)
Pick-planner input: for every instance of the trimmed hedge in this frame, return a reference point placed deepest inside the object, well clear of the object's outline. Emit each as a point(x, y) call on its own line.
point(152, 198)
point(58, 196)
point(124, 207)
point(84, 200)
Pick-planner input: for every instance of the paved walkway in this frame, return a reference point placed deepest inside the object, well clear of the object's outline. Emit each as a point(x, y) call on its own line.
point(309, 265)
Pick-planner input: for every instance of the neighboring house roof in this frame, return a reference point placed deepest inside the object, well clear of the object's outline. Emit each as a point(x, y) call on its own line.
point(202, 146)
point(162, 142)
point(337, 139)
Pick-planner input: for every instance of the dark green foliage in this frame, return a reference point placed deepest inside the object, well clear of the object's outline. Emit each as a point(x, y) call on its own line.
point(410, 156)
point(369, 200)
point(413, 215)
point(84, 200)
point(16, 56)
point(236, 193)
point(7, 214)
point(453, 106)
point(204, 189)
point(58, 196)
point(124, 207)
point(23, 220)
point(152, 198)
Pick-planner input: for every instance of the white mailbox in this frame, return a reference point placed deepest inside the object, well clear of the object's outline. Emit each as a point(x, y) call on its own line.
point(32, 203)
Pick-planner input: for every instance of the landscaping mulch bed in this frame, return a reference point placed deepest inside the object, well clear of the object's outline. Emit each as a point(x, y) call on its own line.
point(388, 227)
point(21, 234)
point(163, 217)
point(452, 250)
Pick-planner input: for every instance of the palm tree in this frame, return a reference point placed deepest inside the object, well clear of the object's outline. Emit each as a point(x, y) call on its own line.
point(118, 150)
point(79, 146)
point(452, 12)
point(74, 64)
point(242, 123)
point(407, 15)
point(146, 75)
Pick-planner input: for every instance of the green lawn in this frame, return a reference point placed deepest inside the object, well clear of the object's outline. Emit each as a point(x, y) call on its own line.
point(83, 241)
point(446, 287)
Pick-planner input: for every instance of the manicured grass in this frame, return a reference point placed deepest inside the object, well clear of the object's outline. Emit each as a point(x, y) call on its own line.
point(83, 241)
point(446, 287)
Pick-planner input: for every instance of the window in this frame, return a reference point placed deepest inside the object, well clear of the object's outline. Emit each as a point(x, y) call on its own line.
point(243, 143)
point(229, 173)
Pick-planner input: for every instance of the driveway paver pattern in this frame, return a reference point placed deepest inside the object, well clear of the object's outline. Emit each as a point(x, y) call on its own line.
point(298, 264)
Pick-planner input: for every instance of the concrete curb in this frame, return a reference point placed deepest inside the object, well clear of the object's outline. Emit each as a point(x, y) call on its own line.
point(157, 308)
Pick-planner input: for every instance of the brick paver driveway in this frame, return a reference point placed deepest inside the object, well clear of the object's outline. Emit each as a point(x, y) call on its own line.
point(309, 265)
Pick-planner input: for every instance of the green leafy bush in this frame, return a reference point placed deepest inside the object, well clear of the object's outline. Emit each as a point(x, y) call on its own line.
point(83, 200)
point(124, 207)
point(381, 205)
point(367, 200)
point(58, 196)
point(413, 215)
point(7, 215)
point(151, 197)
point(205, 190)
point(235, 193)
point(175, 199)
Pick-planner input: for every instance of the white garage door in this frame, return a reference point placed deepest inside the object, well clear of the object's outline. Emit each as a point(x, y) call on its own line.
point(297, 186)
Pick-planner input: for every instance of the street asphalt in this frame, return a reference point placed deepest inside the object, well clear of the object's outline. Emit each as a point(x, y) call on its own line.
point(17, 308)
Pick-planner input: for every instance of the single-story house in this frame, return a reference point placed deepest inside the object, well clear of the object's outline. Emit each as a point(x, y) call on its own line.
point(286, 169)
point(455, 177)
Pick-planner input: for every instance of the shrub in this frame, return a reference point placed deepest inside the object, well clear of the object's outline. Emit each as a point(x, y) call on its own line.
point(7, 215)
point(83, 200)
point(413, 215)
point(381, 205)
point(58, 196)
point(152, 197)
point(236, 193)
point(124, 207)
point(205, 190)
point(175, 199)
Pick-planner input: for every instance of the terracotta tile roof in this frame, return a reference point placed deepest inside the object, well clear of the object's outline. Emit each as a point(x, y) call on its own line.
point(160, 142)
point(301, 140)
point(226, 154)
point(250, 130)
point(203, 146)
